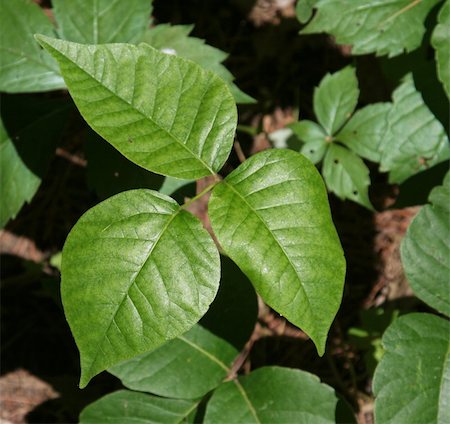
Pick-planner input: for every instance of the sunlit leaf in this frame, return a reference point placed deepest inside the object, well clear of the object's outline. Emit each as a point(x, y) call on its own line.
point(441, 42)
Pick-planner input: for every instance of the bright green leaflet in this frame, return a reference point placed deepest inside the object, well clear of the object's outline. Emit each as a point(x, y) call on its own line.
point(28, 138)
point(440, 40)
point(101, 21)
point(412, 382)
point(162, 112)
point(415, 140)
point(314, 137)
point(425, 250)
point(175, 39)
point(128, 407)
point(346, 175)
point(109, 172)
point(335, 99)
point(187, 367)
point(304, 10)
point(275, 395)
point(271, 216)
point(364, 132)
point(373, 26)
point(314, 150)
point(137, 270)
point(24, 66)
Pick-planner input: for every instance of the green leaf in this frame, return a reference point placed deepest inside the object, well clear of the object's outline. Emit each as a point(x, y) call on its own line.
point(101, 21)
point(314, 150)
point(313, 136)
point(440, 40)
point(125, 406)
point(371, 26)
point(365, 131)
point(272, 218)
point(412, 382)
point(162, 112)
point(425, 250)
point(304, 10)
point(175, 39)
point(415, 139)
point(109, 172)
point(346, 175)
point(335, 99)
point(24, 66)
point(28, 136)
point(275, 395)
point(232, 315)
point(187, 367)
point(171, 185)
point(137, 270)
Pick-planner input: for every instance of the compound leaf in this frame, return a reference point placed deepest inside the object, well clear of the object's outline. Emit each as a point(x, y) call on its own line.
point(373, 26)
point(137, 270)
point(24, 66)
point(365, 130)
point(425, 250)
point(162, 112)
point(175, 39)
point(346, 175)
point(272, 218)
point(415, 140)
point(28, 138)
point(101, 21)
point(276, 395)
point(125, 406)
point(314, 137)
point(188, 367)
point(335, 99)
point(412, 381)
point(440, 40)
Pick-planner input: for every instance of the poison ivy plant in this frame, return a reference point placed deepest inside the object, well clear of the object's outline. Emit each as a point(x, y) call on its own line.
point(404, 137)
point(157, 267)
point(371, 26)
point(28, 136)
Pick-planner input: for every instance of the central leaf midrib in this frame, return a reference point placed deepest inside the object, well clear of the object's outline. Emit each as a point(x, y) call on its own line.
point(131, 284)
point(247, 400)
point(275, 238)
point(198, 158)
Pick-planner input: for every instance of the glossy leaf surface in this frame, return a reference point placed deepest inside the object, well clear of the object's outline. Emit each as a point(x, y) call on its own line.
point(346, 175)
point(28, 139)
point(137, 270)
point(415, 139)
point(162, 112)
point(275, 395)
point(412, 381)
point(271, 216)
point(125, 406)
point(175, 39)
point(101, 21)
point(24, 66)
point(335, 99)
point(373, 26)
point(365, 130)
point(187, 367)
point(441, 42)
point(425, 250)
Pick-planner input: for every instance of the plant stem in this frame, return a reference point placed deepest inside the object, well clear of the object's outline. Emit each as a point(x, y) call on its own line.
point(202, 193)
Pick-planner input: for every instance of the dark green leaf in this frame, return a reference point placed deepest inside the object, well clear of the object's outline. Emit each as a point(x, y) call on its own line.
point(271, 216)
point(187, 367)
point(101, 21)
point(412, 382)
point(126, 407)
point(365, 131)
point(373, 26)
point(28, 138)
point(162, 112)
point(304, 10)
point(425, 250)
point(109, 172)
point(275, 395)
point(137, 270)
point(25, 67)
point(415, 139)
point(335, 99)
point(346, 175)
